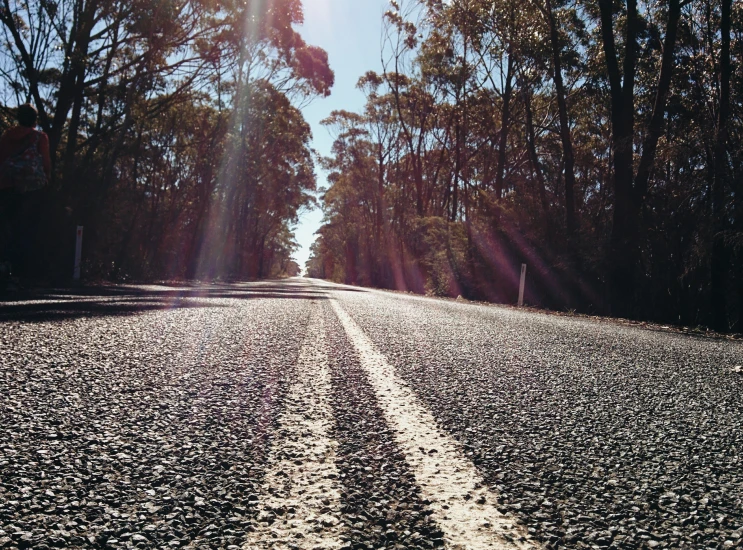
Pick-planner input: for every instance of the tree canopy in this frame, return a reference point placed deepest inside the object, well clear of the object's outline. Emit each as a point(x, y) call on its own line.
point(597, 142)
point(174, 129)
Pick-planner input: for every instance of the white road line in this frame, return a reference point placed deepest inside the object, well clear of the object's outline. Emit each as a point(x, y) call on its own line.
point(300, 501)
point(461, 505)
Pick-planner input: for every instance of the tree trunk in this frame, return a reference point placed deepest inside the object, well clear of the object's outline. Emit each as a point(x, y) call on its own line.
point(532, 147)
point(567, 142)
point(504, 127)
point(719, 260)
point(457, 171)
point(624, 229)
point(629, 191)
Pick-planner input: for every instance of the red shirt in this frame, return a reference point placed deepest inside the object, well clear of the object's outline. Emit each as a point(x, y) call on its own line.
point(14, 138)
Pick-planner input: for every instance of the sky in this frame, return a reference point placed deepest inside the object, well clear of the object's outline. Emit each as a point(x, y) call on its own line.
point(350, 31)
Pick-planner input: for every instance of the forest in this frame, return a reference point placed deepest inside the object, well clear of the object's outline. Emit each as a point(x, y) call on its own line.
point(175, 132)
point(599, 142)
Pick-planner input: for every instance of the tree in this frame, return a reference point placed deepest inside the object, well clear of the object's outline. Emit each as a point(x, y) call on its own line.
point(162, 117)
point(609, 161)
point(630, 185)
point(721, 182)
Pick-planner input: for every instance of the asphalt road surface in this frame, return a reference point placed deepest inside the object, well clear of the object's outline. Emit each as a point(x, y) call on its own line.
point(303, 415)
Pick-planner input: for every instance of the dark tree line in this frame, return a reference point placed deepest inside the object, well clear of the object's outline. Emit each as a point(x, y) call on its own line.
point(599, 142)
point(174, 129)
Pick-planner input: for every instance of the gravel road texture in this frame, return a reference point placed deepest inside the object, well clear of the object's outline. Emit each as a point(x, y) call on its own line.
point(148, 416)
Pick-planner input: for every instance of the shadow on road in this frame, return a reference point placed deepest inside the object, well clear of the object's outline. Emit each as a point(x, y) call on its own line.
point(113, 300)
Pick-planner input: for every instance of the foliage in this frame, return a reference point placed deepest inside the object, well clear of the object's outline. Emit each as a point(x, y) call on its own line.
point(174, 130)
point(584, 139)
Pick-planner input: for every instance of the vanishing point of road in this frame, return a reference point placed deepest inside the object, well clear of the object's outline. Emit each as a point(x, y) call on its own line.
point(299, 414)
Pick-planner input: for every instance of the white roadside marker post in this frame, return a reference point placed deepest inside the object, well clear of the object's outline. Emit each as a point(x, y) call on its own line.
point(78, 253)
point(521, 285)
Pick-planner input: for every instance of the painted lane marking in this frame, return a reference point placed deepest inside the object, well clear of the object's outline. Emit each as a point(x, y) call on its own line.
point(300, 501)
point(461, 505)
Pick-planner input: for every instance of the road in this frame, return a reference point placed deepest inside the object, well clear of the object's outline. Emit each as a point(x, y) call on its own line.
point(302, 414)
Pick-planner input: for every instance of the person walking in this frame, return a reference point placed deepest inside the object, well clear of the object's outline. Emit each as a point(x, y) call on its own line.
point(25, 169)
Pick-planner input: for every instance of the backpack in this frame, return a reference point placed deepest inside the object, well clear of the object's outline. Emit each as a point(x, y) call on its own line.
point(24, 169)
